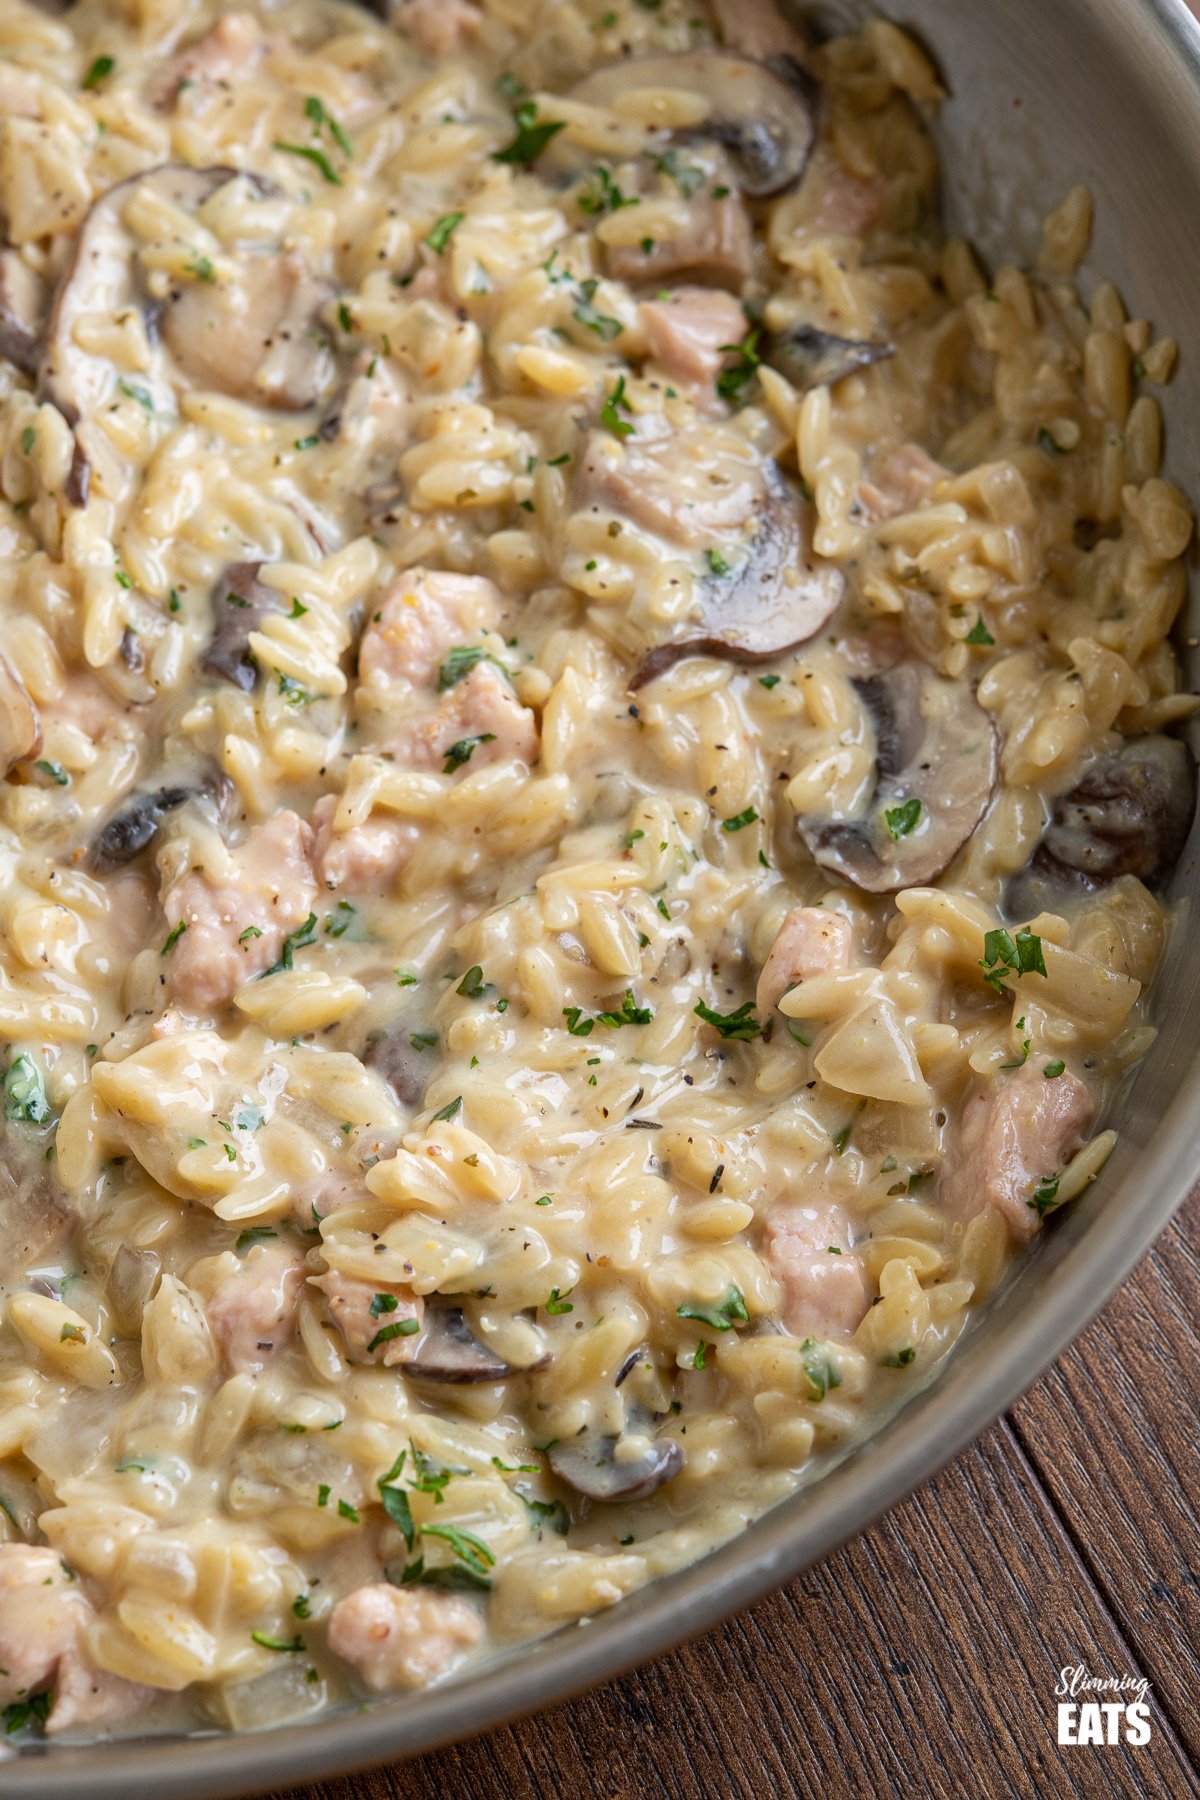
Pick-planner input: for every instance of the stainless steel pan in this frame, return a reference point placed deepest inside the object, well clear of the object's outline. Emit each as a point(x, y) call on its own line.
point(1044, 93)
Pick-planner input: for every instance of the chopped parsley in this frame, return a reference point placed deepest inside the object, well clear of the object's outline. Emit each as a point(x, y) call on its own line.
point(463, 749)
point(740, 1025)
point(399, 1328)
point(299, 939)
point(902, 819)
point(1001, 952)
point(55, 771)
point(447, 1112)
point(602, 195)
point(820, 1373)
point(35, 1710)
point(459, 663)
point(630, 1013)
point(979, 633)
point(100, 71)
point(603, 324)
point(1054, 1069)
point(769, 681)
point(722, 1316)
point(28, 439)
point(439, 237)
point(25, 1099)
point(465, 1545)
point(133, 392)
point(314, 109)
point(686, 176)
point(1045, 1195)
point(614, 404)
point(281, 1644)
point(899, 1359)
point(533, 134)
point(1047, 442)
point(173, 937)
point(313, 155)
point(740, 820)
point(740, 373)
point(717, 563)
point(253, 1234)
point(559, 1303)
point(341, 920)
point(472, 984)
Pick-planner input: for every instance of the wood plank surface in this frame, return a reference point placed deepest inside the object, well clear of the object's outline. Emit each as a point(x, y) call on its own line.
point(921, 1659)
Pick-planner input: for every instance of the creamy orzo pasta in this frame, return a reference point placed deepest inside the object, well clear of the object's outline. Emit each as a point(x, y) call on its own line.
point(586, 726)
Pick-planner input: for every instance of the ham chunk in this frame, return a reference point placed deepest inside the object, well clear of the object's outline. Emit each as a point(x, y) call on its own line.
point(809, 1252)
point(361, 1312)
point(252, 1313)
point(1015, 1137)
point(901, 480)
point(363, 859)
point(479, 721)
point(810, 942)
point(233, 48)
point(688, 331)
point(423, 615)
point(438, 27)
point(43, 1614)
point(402, 1637)
point(236, 917)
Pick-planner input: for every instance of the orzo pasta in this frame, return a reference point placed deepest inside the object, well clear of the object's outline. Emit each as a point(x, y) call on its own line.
point(586, 717)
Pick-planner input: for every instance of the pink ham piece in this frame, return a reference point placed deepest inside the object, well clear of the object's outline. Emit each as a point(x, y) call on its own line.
point(402, 1637)
point(1014, 1138)
point(810, 942)
point(808, 1250)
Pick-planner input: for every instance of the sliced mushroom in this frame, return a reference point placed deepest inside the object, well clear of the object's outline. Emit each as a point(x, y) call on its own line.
point(765, 119)
point(256, 336)
point(629, 1462)
point(20, 726)
point(774, 599)
point(22, 312)
point(1129, 814)
point(813, 358)
point(101, 278)
point(450, 1351)
point(405, 1070)
point(135, 827)
point(935, 758)
point(240, 604)
point(250, 335)
point(716, 246)
point(626, 1465)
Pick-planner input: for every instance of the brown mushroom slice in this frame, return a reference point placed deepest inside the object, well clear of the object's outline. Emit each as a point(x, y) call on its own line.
point(449, 1351)
point(716, 247)
point(253, 337)
point(936, 758)
point(764, 119)
point(20, 726)
point(22, 312)
point(100, 278)
point(136, 825)
point(617, 1466)
point(810, 357)
point(406, 1070)
point(240, 604)
point(773, 600)
point(1129, 814)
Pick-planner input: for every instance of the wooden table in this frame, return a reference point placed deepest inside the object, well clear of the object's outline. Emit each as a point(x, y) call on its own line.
point(922, 1659)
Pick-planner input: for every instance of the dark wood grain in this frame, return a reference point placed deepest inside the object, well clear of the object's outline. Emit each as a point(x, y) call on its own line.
point(922, 1658)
